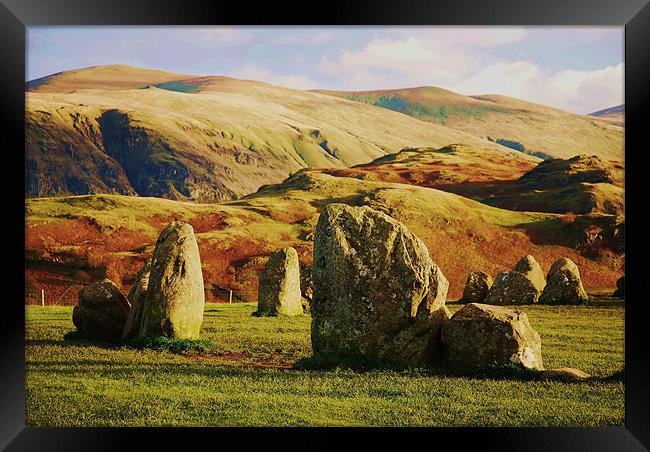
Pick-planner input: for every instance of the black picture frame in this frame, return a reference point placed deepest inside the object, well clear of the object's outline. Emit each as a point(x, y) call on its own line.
point(16, 15)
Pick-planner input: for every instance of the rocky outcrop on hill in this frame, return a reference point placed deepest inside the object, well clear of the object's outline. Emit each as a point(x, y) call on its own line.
point(175, 297)
point(479, 335)
point(377, 292)
point(579, 185)
point(279, 285)
point(101, 312)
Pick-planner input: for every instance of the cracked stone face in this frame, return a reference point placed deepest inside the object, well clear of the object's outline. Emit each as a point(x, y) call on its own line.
point(376, 290)
point(482, 335)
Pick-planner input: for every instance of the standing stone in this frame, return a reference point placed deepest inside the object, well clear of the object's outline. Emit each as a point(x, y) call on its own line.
point(529, 267)
point(136, 297)
point(175, 297)
point(377, 293)
point(476, 288)
point(620, 287)
point(279, 286)
point(306, 287)
point(512, 288)
point(482, 335)
point(101, 311)
point(563, 284)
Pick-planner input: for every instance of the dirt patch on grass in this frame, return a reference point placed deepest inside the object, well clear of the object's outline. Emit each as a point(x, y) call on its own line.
point(242, 359)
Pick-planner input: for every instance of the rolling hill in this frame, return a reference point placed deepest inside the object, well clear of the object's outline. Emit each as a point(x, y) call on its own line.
point(131, 131)
point(613, 115)
point(524, 126)
point(582, 184)
point(74, 240)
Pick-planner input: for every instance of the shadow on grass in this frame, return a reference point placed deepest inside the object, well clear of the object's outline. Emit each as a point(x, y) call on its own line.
point(158, 343)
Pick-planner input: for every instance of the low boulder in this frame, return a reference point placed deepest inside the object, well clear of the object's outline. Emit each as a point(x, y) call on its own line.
point(136, 297)
point(563, 284)
point(620, 287)
point(101, 311)
point(476, 288)
point(529, 267)
point(480, 335)
point(565, 373)
point(279, 285)
point(512, 288)
point(377, 293)
point(175, 299)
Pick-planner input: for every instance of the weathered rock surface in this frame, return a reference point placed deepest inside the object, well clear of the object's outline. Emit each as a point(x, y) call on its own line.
point(620, 287)
point(279, 285)
point(101, 311)
point(529, 267)
point(482, 335)
point(175, 297)
point(136, 297)
point(512, 288)
point(377, 293)
point(476, 288)
point(563, 284)
point(306, 286)
point(565, 373)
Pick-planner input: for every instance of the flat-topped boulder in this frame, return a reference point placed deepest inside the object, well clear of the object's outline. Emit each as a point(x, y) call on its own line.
point(376, 291)
point(476, 288)
point(101, 311)
point(563, 284)
point(136, 297)
point(512, 288)
point(480, 335)
point(279, 285)
point(175, 297)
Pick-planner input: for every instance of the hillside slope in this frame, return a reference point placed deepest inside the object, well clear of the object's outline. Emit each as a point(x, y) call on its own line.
point(531, 128)
point(71, 241)
point(124, 130)
point(614, 115)
point(581, 184)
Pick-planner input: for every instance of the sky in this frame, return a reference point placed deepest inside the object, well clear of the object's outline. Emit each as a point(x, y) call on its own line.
point(578, 69)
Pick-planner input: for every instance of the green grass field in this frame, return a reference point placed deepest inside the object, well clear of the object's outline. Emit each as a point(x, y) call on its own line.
point(245, 377)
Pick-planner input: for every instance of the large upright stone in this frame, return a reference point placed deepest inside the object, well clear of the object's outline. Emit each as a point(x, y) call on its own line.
point(529, 267)
point(377, 293)
point(563, 284)
point(136, 297)
point(480, 335)
point(279, 285)
point(476, 288)
point(175, 297)
point(101, 311)
point(512, 288)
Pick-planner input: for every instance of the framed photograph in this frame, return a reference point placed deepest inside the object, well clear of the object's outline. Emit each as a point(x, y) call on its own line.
point(367, 215)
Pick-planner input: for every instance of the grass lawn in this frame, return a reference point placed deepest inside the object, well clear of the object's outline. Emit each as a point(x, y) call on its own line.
point(246, 378)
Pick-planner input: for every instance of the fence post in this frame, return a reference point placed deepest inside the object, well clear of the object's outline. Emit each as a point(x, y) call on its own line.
point(42, 297)
point(230, 300)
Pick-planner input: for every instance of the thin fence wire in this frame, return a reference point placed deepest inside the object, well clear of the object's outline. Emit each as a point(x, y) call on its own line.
point(66, 293)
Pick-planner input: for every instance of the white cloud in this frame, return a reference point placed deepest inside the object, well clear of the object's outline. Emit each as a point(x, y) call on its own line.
point(214, 36)
point(252, 72)
point(413, 60)
point(571, 90)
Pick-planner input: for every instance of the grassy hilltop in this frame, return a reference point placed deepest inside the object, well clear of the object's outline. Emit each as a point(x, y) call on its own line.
point(125, 130)
point(528, 127)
